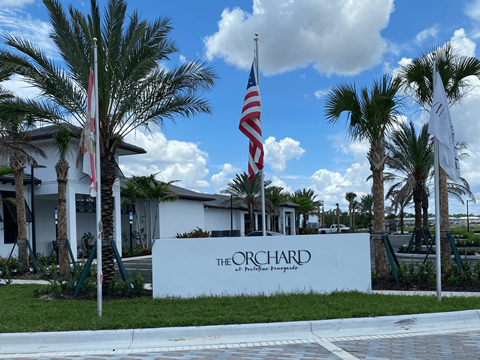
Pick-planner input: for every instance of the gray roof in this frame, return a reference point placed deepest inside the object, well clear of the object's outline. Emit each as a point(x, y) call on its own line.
point(46, 132)
point(27, 179)
point(185, 194)
point(221, 199)
point(218, 203)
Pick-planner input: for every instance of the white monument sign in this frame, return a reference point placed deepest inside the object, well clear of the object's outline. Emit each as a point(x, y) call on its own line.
point(261, 265)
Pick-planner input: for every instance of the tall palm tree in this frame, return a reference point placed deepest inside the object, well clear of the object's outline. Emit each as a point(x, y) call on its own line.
point(350, 197)
point(159, 193)
point(400, 201)
point(411, 158)
point(248, 193)
point(135, 89)
point(456, 71)
point(129, 194)
point(367, 206)
point(277, 195)
point(62, 143)
point(371, 115)
point(306, 199)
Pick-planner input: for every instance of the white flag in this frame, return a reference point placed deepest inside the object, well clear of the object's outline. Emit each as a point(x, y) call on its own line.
point(441, 127)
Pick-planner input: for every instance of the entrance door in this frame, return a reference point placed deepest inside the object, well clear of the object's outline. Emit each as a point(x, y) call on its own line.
point(10, 231)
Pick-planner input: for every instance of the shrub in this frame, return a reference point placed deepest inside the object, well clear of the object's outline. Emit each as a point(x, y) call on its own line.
point(197, 233)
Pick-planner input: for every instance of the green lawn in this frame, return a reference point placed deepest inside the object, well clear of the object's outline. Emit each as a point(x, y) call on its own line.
point(20, 312)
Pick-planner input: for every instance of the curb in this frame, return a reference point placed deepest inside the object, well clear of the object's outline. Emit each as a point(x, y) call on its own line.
point(228, 334)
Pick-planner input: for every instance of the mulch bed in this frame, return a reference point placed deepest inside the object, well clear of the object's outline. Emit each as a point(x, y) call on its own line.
point(80, 297)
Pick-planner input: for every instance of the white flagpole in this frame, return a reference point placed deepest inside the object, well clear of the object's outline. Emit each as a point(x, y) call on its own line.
point(437, 201)
point(262, 186)
point(98, 209)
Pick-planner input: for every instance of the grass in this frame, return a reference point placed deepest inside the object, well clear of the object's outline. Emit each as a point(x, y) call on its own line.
point(20, 312)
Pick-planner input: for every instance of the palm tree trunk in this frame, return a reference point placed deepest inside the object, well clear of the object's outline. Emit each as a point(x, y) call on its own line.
point(445, 248)
point(62, 177)
point(17, 164)
point(376, 157)
point(350, 215)
point(417, 200)
point(251, 216)
point(108, 177)
point(425, 208)
point(401, 221)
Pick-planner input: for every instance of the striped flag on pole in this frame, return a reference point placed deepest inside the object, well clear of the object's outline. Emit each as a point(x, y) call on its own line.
point(250, 124)
point(89, 139)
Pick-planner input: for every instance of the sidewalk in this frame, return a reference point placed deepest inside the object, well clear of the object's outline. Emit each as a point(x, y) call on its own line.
point(323, 332)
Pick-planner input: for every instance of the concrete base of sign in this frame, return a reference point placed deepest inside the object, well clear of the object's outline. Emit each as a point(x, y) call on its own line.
point(261, 265)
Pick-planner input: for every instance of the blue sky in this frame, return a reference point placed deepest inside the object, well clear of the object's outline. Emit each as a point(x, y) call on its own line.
point(306, 48)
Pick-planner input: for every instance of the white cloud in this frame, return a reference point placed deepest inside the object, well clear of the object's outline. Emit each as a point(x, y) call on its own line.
point(15, 3)
point(280, 183)
point(405, 61)
point(182, 59)
point(220, 181)
point(321, 93)
point(473, 10)
point(425, 34)
point(21, 24)
point(278, 153)
point(462, 44)
point(341, 37)
point(176, 160)
point(21, 88)
point(331, 186)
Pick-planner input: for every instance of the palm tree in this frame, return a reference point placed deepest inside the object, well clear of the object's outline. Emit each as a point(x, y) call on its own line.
point(367, 206)
point(248, 193)
point(411, 157)
point(306, 199)
point(355, 207)
point(277, 196)
point(400, 201)
point(456, 71)
point(129, 193)
point(135, 89)
point(159, 193)
point(371, 115)
point(350, 197)
point(62, 143)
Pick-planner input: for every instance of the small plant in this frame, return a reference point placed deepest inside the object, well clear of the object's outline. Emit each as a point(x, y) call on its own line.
point(118, 287)
point(463, 276)
point(475, 279)
point(375, 276)
point(197, 233)
point(54, 287)
point(420, 273)
point(452, 280)
point(8, 276)
point(431, 279)
point(138, 283)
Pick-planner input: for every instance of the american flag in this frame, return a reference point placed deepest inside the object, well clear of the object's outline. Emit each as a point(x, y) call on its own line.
point(89, 139)
point(251, 126)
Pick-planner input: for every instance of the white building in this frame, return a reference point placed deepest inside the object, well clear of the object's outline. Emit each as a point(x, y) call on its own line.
point(191, 210)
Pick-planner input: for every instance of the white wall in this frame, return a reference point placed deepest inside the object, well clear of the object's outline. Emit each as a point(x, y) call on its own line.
point(261, 265)
point(179, 217)
point(220, 219)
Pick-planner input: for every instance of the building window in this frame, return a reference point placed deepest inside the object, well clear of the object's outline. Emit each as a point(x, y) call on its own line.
point(85, 204)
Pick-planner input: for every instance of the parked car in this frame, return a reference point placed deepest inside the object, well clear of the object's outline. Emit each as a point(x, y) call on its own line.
point(333, 229)
point(260, 233)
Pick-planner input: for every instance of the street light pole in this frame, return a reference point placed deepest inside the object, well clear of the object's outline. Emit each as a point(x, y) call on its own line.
point(468, 224)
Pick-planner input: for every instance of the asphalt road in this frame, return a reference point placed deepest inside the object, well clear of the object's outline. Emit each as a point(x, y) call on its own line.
point(132, 266)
